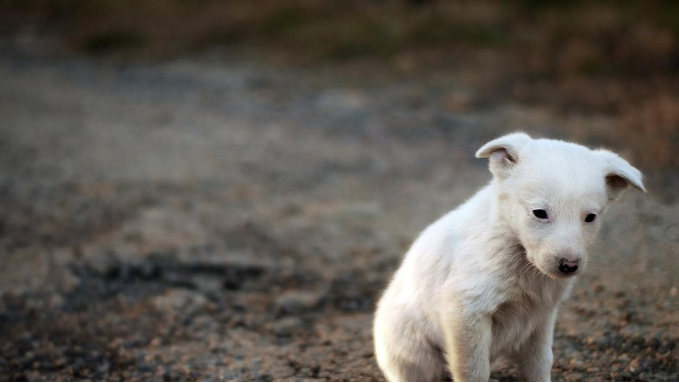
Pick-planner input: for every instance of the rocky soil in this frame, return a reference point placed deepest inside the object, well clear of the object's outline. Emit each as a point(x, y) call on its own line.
point(212, 218)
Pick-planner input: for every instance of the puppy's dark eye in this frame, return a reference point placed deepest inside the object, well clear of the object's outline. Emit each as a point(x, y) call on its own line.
point(590, 217)
point(540, 213)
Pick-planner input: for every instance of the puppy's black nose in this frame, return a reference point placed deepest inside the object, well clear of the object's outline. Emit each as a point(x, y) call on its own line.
point(566, 266)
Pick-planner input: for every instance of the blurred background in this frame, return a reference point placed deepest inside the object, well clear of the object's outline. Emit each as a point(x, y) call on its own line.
point(220, 190)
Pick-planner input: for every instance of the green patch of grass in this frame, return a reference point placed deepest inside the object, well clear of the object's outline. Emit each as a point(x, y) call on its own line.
point(113, 41)
point(47, 5)
point(363, 36)
point(594, 66)
point(479, 35)
point(669, 16)
point(222, 36)
point(284, 21)
point(436, 30)
point(531, 5)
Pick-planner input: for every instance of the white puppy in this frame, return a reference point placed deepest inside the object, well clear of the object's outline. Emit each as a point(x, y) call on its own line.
point(485, 280)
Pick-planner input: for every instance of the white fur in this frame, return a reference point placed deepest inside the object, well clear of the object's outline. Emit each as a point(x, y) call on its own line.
point(483, 281)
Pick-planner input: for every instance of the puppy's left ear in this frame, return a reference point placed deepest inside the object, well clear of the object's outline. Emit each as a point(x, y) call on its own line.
point(503, 152)
point(619, 174)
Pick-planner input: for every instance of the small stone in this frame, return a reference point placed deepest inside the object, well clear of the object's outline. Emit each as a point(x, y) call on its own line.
point(179, 300)
point(634, 364)
point(287, 326)
point(294, 301)
point(155, 342)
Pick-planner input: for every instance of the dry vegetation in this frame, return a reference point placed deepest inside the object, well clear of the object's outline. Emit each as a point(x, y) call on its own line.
point(615, 58)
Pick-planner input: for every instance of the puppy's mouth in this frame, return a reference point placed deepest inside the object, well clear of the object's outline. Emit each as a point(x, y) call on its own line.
point(553, 273)
point(539, 270)
point(546, 271)
point(558, 275)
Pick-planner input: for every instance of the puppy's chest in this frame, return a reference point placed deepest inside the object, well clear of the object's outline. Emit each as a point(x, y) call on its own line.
point(515, 319)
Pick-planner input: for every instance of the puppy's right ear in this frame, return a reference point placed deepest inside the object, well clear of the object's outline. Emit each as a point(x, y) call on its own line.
point(503, 152)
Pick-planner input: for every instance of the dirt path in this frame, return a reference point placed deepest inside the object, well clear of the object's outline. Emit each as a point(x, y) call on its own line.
point(217, 219)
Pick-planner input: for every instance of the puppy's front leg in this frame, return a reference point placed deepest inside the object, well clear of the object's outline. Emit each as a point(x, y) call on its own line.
point(535, 356)
point(468, 339)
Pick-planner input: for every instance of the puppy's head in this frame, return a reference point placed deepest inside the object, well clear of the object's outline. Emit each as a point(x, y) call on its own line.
point(552, 194)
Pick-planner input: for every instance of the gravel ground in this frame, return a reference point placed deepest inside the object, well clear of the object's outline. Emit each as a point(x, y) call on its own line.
point(209, 218)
